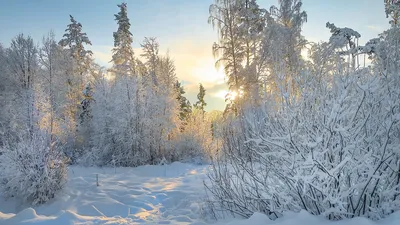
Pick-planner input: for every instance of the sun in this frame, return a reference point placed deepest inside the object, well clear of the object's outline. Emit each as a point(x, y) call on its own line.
point(232, 95)
point(224, 94)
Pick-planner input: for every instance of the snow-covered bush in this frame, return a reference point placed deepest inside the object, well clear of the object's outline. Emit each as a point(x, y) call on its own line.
point(196, 141)
point(32, 170)
point(188, 148)
point(329, 146)
point(333, 153)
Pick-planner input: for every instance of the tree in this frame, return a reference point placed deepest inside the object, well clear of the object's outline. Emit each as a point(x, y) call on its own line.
point(85, 117)
point(345, 39)
point(185, 107)
point(123, 55)
point(200, 104)
point(392, 9)
point(75, 39)
point(167, 71)
point(240, 25)
point(195, 141)
point(22, 60)
point(32, 166)
point(283, 55)
point(325, 142)
point(146, 109)
point(85, 104)
point(7, 94)
point(223, 16)
point(253, 22)
point(52, 84)
point(150, 48)
point(384, 50)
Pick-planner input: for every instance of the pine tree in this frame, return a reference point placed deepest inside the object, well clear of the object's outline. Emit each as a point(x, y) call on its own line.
point(123, 55)
point(200, 104)
point(86, 113)
point(85, 117)
point(185, 106)
point(123, 58)
point(75, 40)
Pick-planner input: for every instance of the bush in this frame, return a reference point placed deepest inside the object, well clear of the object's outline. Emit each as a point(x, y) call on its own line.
point(187, 148)
point(197, 141)
point(33, 170)
point(332, 152)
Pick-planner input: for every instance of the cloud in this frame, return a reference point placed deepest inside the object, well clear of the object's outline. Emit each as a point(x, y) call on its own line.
point(102, 58)
point(102, 55)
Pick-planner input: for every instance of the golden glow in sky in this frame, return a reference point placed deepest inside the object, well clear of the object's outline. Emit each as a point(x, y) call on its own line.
point(206, 72)
point(194, 65)
point(223, 94)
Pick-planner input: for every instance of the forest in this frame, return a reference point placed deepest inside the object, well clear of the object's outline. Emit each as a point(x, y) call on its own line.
point(307, 126)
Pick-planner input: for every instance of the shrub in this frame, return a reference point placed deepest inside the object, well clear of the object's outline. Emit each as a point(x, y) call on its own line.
point(33, 170)
point(332, 152)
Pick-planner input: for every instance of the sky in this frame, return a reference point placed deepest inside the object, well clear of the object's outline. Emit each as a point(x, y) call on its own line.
point(180, 27)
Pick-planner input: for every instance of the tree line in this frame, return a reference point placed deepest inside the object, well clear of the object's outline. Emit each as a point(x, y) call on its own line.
point(58, 107)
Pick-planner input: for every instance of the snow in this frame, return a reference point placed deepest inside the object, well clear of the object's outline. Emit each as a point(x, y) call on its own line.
point(164, 194)
point(125, 195)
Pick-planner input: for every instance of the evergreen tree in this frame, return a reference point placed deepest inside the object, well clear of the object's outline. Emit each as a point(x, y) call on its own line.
point(75, 40)
point(185, 106)
point(85, 117)
point(86, 113)
point(200, 104)
point(123, 55)
point(124, 61)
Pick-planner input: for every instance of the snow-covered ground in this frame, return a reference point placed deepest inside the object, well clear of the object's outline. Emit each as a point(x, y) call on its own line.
point(169, 194)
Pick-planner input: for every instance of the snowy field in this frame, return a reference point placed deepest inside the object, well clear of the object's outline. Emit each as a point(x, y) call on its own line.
point(169, 194)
